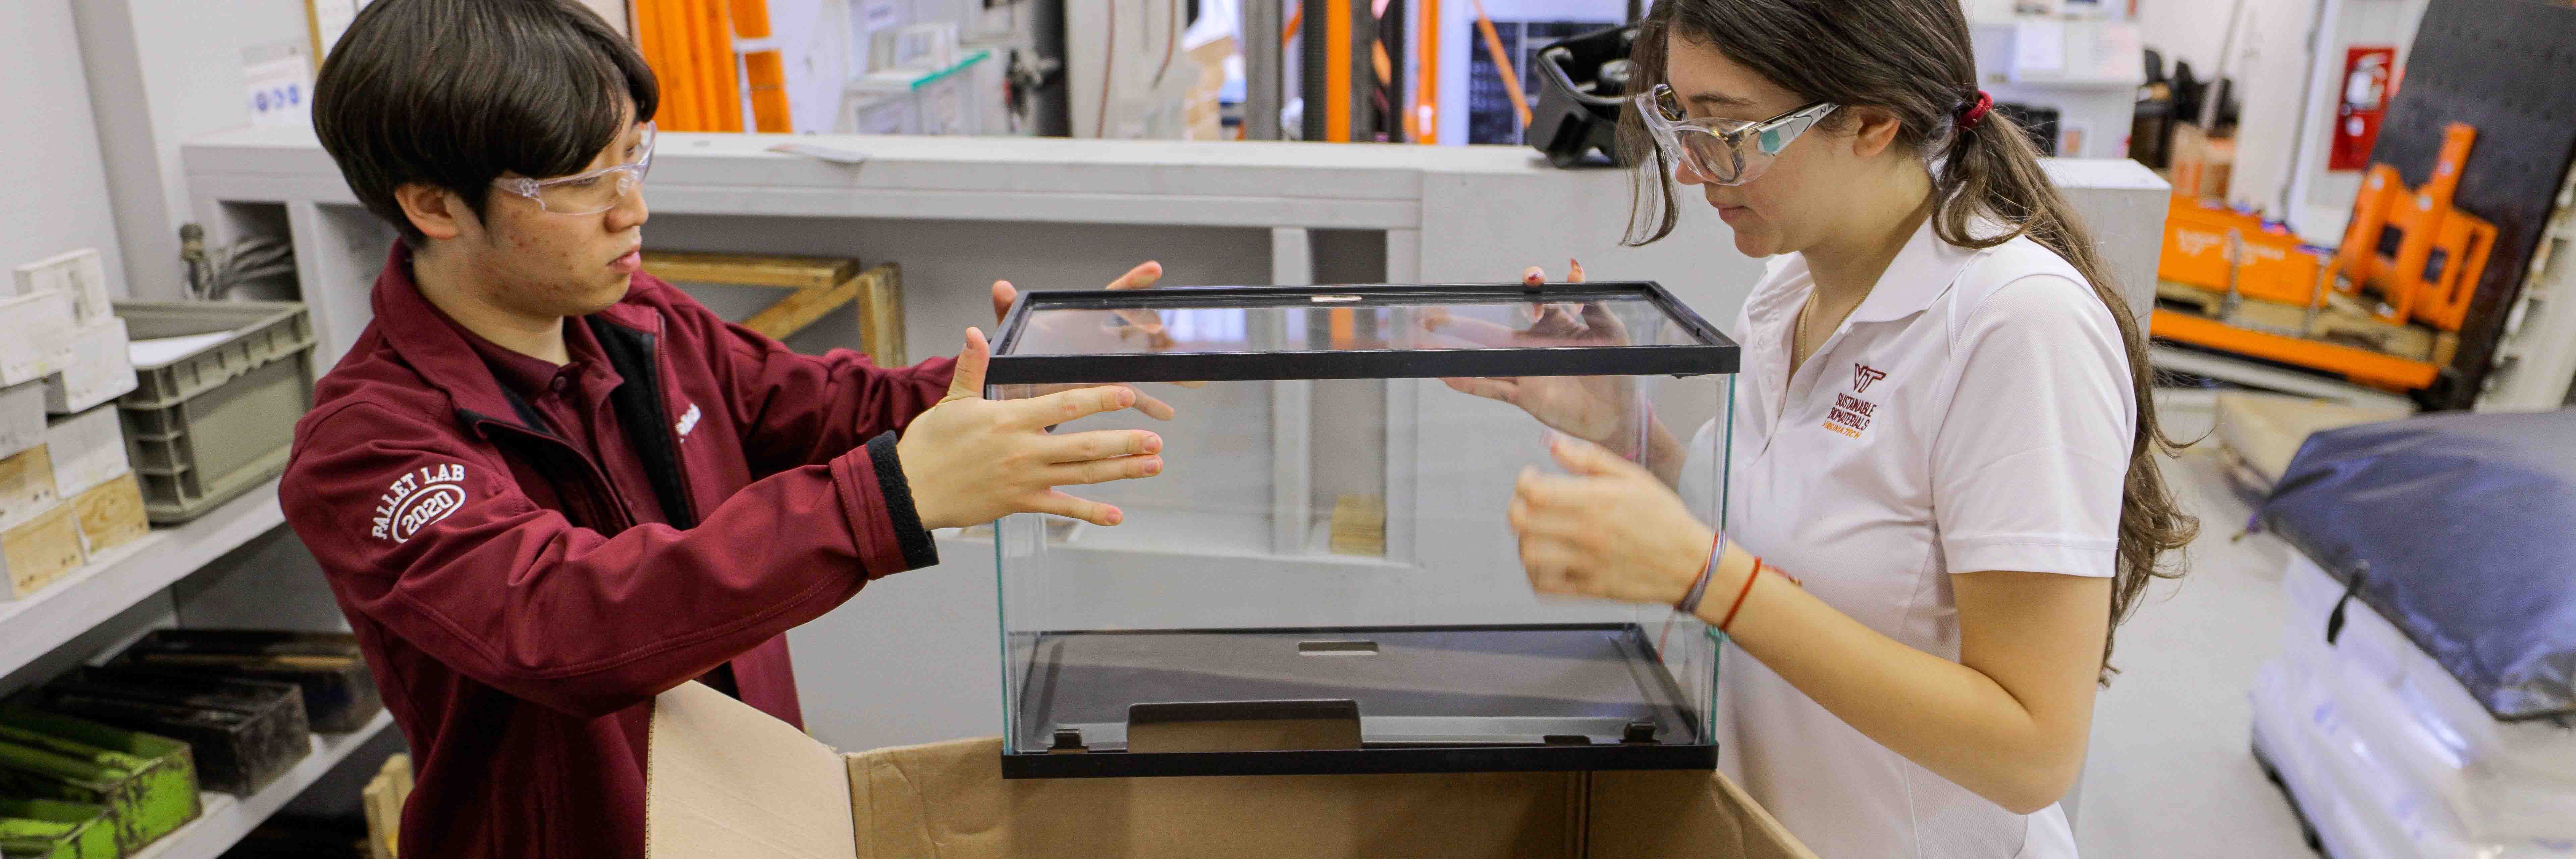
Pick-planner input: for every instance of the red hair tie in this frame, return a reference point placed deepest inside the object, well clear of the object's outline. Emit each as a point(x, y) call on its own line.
point(1976, 113)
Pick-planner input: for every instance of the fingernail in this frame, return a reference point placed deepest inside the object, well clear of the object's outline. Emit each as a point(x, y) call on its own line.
point(1116, 517)
point(1153, 467)
point(1153, 443)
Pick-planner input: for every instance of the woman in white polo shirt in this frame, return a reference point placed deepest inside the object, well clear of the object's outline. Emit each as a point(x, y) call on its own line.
point(1944, 489)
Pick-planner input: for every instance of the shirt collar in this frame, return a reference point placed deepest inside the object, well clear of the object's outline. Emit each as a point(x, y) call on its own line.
point(533, 377)
point(1920, 273)
point(442, 354)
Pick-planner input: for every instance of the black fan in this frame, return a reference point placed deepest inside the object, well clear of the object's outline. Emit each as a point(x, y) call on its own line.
point(1584, 81)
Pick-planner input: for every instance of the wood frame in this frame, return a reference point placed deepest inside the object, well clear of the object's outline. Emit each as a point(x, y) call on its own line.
point(819, 286)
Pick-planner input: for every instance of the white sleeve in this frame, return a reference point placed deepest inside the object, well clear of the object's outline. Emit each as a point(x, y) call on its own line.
point(2028, 464)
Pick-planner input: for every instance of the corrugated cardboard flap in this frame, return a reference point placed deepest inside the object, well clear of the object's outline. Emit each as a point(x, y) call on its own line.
point(948, 800)
point(724, 779)
point(727, 780)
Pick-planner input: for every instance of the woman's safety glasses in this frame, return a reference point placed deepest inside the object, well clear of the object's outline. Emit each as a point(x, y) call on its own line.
point(586, 193)
point(1722, 151)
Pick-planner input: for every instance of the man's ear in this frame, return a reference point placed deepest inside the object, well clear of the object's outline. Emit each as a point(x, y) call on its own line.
point(436, 212)
point(1877, 131)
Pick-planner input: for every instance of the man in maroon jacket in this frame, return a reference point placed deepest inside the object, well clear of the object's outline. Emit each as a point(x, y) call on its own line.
point(546, 486)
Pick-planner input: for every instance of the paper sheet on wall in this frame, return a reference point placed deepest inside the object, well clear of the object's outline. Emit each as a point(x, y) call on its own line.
point(2038, 46)
point(280, 83)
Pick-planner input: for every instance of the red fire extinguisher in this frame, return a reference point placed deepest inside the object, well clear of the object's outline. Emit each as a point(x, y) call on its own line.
point(2368, 83)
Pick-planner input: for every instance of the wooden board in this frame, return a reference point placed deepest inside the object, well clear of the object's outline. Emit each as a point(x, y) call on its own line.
point(2345, 321)
point(36, 553)
point(749, 269)
point(821, 285)
point(111, 513)
point(1359, 525)
point(880, 301)
point(26, 485)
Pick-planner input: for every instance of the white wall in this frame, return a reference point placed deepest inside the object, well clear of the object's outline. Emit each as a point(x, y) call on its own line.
point(2270, 60)
point(163, 71)
point(53, 191)
point(2321, 199)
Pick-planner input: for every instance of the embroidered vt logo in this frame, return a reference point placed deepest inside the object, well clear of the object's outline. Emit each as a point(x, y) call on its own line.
point(1862, 375)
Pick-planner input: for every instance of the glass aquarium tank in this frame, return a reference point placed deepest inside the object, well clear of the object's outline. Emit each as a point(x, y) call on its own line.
point(1323, 578)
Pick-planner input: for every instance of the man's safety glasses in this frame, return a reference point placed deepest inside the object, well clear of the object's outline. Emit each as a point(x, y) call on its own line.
point(586, 193)
point(1722, 151)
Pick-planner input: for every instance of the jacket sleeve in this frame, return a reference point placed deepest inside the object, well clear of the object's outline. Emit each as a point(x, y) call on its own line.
point(430, 536)
point(796, 409)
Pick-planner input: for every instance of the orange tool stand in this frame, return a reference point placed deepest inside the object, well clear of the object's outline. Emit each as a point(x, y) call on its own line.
point(2422, 256)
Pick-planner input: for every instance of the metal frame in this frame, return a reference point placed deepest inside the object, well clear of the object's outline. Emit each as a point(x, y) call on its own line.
point(1041, 763)
point(1714, 353)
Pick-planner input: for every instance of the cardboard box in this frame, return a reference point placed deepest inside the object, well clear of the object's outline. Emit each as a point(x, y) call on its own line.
point(26, 486)
point(39, 328)
point(111, 514)
point(727, 780)
point(87, 449)
point(2262, 432)
point(98, 369)
point(22, 417)
point(80, 274)
point(2202, 165)
point(35, 553)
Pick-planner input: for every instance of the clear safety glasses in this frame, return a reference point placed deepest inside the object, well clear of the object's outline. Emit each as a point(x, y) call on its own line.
point(1722, 151)
point(586, 193)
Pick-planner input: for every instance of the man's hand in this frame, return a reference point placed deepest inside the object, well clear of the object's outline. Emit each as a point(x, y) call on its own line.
point(970, 460)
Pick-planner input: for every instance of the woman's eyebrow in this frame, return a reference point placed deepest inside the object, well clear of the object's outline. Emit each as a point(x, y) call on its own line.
point(1711, 99)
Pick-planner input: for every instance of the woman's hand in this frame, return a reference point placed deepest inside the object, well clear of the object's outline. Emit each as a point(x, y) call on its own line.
point(1603, 410)
point(1610, 529)
point(1127, 324)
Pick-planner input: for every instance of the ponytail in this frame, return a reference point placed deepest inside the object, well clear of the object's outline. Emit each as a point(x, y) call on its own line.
point(1992, 172)
point(1916, 63)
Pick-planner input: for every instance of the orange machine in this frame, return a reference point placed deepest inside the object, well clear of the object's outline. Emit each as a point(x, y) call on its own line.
point(2420, 255)
point(2221, 250)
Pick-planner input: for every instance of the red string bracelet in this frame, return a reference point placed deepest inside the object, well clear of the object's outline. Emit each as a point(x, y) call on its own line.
point(1749, 579)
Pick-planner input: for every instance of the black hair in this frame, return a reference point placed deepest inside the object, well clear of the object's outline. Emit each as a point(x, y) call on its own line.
point(455, 93)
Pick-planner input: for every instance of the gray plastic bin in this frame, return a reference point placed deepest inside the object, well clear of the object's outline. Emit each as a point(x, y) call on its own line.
point(205, 427)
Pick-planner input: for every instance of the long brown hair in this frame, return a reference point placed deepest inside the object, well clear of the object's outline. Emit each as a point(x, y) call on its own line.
point(1912, 58)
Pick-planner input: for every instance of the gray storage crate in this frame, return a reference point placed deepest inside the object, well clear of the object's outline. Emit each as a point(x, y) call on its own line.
point(207, 426)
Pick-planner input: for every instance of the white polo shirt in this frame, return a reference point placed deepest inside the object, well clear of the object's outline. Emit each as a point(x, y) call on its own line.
point(1973, 413)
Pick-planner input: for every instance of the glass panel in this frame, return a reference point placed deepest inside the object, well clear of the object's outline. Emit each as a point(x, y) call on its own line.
point(1350, 322)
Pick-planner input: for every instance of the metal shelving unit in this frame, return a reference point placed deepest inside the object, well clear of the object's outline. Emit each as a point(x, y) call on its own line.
point(129, 574)
point(125, 576)
point(227, 818)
